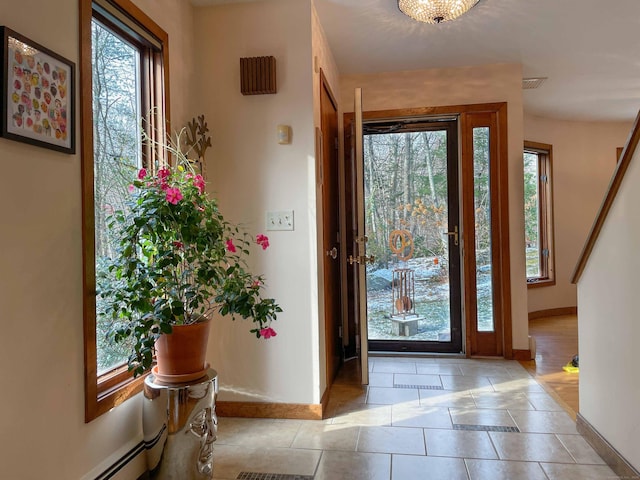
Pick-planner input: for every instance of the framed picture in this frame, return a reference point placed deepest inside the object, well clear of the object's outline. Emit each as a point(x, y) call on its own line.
point(38, 101)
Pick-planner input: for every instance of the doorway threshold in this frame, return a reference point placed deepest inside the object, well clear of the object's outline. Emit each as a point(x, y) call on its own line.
point(416, 354)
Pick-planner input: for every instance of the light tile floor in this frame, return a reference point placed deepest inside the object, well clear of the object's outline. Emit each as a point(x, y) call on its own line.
point(419, 418)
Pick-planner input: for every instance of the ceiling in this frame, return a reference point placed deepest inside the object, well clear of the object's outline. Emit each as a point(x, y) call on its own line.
point(588, 49)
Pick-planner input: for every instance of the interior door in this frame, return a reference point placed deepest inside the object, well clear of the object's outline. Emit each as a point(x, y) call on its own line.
point(328, 144)
point(411, 213)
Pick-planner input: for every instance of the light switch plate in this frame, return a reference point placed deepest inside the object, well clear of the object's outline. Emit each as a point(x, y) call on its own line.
point(279, 220)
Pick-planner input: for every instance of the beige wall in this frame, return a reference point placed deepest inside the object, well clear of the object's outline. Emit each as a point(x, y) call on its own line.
point(584, 157)
point(608, 303)
point(41, 346)
point(459, 86)
point(253, 174)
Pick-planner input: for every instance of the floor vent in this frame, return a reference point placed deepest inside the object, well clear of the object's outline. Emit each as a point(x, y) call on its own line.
point(421, 387)
point(485, 428)
point(271, 476)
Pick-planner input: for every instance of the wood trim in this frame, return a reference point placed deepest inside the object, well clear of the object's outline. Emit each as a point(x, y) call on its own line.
point(549, 282)
point(324, 401)
point(297, 411)
point(613, 458)
point(521, 355)
point(553, 312)
point(505, 249)
point(427, 111)
point(88, 223)
point(612, 192)
point(545, 215)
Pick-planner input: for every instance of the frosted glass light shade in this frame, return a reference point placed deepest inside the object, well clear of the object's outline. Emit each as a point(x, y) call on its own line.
point(435, 11)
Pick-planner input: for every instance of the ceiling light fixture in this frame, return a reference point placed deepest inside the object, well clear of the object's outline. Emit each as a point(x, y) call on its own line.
point(435, 11)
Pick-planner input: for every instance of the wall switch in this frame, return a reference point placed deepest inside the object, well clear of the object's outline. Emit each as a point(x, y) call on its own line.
point(280, 220)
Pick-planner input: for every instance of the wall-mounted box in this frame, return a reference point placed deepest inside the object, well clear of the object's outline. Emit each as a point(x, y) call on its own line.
point(258, 75)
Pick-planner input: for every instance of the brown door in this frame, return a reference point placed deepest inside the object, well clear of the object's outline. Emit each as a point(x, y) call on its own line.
point(331, 222)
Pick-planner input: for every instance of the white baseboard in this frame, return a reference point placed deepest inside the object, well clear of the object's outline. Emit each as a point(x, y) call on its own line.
point(126, 463)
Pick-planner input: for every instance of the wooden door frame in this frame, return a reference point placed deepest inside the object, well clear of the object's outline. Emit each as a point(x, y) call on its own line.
point(500, 211)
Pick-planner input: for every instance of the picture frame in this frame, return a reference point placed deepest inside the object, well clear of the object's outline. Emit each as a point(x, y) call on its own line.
point(38, 94)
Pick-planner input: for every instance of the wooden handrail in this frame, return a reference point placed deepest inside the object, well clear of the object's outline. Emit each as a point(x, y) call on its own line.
point(612, 191)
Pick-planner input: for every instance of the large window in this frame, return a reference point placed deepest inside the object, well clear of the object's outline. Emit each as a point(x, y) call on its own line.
point(538, 218)
point(123, 69)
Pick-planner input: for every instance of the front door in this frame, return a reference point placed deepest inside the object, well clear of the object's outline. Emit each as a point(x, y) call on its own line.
point(411, 206)
point(430, 231)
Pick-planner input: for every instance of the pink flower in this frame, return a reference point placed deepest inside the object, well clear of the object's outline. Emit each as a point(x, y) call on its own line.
point(262, 240)
point(256, 284)
point(131, 188)
point(230, 246)
point(173, 195)
point(267, 332)
point(163, 173)
point(142, 173)
point(178, 244)
point(198, 181)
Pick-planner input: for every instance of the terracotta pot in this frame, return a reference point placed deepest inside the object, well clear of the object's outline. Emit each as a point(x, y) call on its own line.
point(182, 353)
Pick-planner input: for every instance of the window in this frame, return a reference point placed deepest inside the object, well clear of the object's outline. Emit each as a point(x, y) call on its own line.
point(538, 217)
point(123, 65)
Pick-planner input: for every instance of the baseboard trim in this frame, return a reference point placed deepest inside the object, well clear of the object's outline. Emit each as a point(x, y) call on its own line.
point(324, 401)
point(521, 355)
point(610, 455)
point(553, 312)
point(296, 411)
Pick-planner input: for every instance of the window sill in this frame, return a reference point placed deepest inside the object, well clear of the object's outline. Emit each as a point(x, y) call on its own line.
point(540, 282)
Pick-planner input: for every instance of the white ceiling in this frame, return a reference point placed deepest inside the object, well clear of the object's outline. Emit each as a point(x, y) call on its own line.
point(588, 49)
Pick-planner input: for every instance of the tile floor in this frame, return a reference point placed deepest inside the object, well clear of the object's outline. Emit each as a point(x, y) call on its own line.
point(419, 418)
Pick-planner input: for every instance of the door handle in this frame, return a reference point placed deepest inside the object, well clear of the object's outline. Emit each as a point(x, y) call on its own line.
point(361, 260)
point(454, 234)
point(333, 253)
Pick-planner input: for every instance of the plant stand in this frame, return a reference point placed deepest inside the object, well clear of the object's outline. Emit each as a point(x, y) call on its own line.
point(179, 423)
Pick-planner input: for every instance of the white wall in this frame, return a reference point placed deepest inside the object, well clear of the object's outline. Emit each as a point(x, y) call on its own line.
point(460, 86)
point(609, 303)
point(584, 157)
point(252, 174)
point(41, 346)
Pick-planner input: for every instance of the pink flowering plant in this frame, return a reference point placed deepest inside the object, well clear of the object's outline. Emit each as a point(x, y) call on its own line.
point(178, 261)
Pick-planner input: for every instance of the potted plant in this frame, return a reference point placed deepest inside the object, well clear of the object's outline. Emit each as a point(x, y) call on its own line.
point(178, 261)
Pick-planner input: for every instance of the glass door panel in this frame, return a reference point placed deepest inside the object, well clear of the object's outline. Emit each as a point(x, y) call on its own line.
point(411, 219)
point(482, 204)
